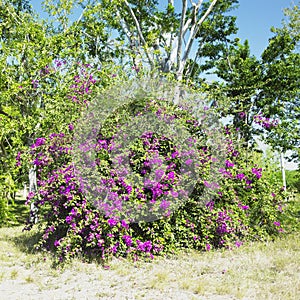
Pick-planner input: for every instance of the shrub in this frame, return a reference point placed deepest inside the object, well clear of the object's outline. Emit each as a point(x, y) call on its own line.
point(153, 195)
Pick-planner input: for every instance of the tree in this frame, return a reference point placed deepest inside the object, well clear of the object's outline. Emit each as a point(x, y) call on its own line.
point(38, 84)
point(265, 91)
point(242, 74)
point(280, 94)
point(145, 35)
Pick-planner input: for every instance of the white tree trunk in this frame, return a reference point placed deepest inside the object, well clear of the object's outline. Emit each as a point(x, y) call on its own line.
point(282, 167)
point(33, 188)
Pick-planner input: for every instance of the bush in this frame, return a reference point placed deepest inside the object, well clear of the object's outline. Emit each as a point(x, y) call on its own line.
point(154, 195)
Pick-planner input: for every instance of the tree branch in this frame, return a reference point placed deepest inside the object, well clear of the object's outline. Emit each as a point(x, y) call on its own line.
point(140, 33)
point(124, 27)
point(180, 35)
point(194, 31)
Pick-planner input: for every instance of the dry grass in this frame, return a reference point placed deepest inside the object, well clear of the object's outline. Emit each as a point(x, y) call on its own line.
point(256, 271)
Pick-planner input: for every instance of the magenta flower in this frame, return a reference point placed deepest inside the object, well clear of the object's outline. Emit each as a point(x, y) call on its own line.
point(238, 244)
point(38, 142)
point(164, 204)
point(69, 219)
point(257, 172)
point(124, 224)
point(174, 194)
point(229, 164)
point(240, 176)
point(18, 159)
point(159, 174)
point(35, 83)
point(174, 154)
point(188, 162)
point(276, 223)
point(207, 247)
point(171, 175)
point(242, 114)
point(210, 205)
point(112, 222)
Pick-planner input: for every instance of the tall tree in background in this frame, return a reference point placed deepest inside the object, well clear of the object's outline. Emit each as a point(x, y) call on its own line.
point(38, 66)
point(279, 97)
point(147, 33)
point(267, 89)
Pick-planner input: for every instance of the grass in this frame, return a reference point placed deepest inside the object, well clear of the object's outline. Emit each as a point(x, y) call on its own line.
point(268, 270)
point(18, 210)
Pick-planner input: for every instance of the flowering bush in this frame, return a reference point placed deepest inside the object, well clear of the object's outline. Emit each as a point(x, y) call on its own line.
point(132, 208)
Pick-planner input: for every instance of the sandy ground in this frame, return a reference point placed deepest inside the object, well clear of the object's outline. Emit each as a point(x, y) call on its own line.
point(270, 271)
point(158, 280)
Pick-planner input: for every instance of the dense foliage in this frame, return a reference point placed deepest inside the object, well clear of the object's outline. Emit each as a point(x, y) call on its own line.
point(126, 216)
point(107, 194)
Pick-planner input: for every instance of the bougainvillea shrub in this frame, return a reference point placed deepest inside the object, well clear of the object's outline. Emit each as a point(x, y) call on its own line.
point(154, 195)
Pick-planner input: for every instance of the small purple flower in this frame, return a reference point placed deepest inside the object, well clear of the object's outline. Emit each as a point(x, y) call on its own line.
point(56, 243)
point(35, 83)
point(171, 176)
point(257, 172)
point(145, 247)
point(174, 194)
point(69, 219)
point(164, 204)
point(174, 154)
point(238, 244)
point(240, 176)
point(136, 68)
point(242, 114)
point(276, 223)
point(229, 164)
point(235, 153)
point(124, 224)
point(248, 182)
point(71, 127)
point(210, 205)
point(227, 130)
point(159, 174)
point(207, 247)
point(18, 159)
point(188, 162)
point(112, 222)
point(38, 142)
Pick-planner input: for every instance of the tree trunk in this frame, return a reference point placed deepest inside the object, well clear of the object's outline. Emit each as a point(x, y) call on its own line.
point(282, 167)
point(33, 218)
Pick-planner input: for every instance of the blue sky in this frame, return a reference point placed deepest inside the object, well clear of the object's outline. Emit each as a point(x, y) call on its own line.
point(256, 17)
point(254, 20)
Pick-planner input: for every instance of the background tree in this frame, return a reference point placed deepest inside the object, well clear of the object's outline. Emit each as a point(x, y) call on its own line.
point(44, 80)
point(264, 91)
point(151, 34)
